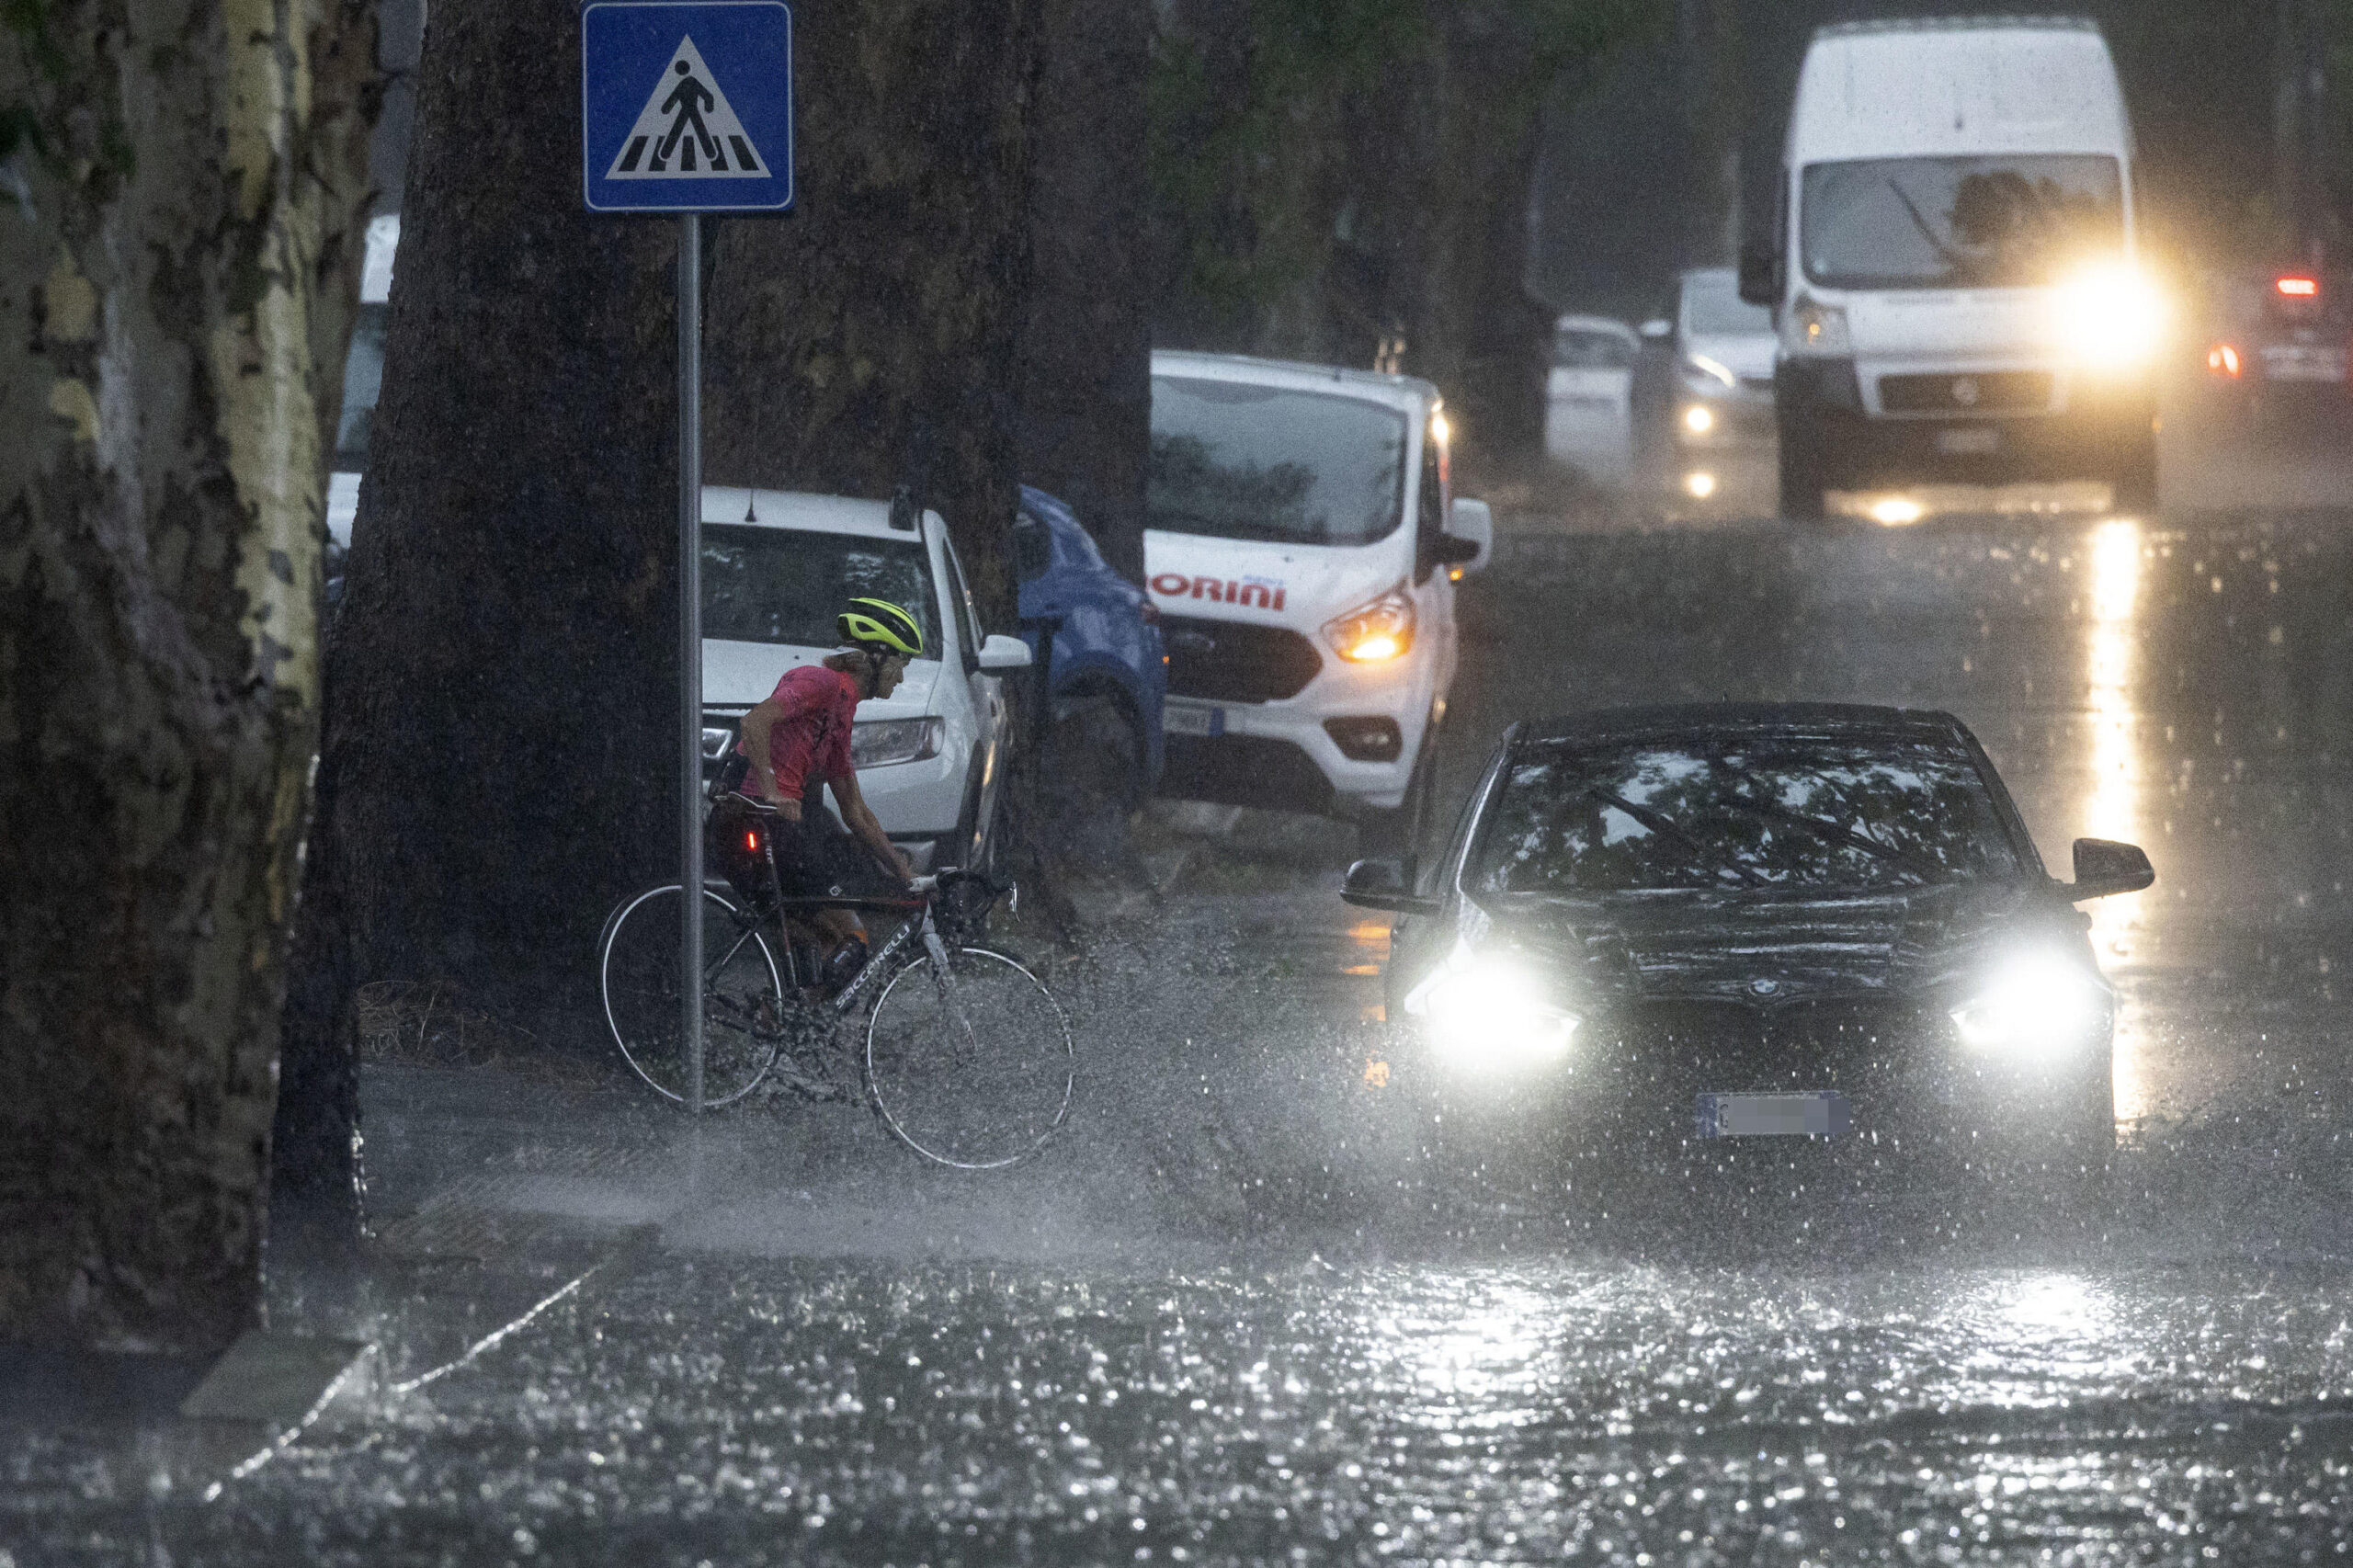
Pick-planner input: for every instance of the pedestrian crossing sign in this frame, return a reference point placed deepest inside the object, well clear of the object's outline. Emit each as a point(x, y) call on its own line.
point(686, 108)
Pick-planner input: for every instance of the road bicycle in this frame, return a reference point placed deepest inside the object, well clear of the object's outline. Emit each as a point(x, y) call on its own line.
point(967, 1058)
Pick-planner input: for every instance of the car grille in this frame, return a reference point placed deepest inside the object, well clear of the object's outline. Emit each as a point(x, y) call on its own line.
point(1676, 1049)
point(1233, 661)
point(1992, 392)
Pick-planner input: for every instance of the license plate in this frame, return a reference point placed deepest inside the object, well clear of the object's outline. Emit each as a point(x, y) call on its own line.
point(1184, 721)
point(1972, 441)
point(1820, 1113)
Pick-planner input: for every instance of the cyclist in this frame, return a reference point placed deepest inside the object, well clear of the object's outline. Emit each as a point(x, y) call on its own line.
point(801, 735)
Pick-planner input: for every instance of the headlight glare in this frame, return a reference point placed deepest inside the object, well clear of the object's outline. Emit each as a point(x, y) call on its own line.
point(2037, 1007)
point(2110, 317)
point(1490, 1012)
point(1375, 633)
point(882, 742)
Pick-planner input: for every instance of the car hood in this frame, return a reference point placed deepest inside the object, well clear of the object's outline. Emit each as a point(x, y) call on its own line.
point(1277, 585)
point(1765, 948)
point(737, 674)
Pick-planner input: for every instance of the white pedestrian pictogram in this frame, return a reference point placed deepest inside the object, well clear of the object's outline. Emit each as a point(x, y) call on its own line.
point(687, 130)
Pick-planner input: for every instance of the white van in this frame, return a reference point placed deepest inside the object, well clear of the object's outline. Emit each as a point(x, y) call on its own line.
point(363, 376)
point(1302, 546)
point(1955, 269)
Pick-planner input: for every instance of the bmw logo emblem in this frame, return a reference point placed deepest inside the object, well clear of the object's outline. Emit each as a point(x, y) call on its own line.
point(1763, 987)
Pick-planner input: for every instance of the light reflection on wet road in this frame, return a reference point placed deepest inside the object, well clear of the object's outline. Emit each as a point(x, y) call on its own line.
point(1231, 1319)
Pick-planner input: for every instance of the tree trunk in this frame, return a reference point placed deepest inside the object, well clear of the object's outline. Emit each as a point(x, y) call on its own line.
point(177, 282)
point(1085, 352)
point(868, 341)
point(497, 757)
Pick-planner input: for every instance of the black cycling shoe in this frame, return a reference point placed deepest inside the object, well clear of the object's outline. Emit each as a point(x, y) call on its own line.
point(844, 966)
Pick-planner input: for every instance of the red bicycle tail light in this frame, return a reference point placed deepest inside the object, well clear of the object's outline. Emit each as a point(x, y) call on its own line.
point(2300, 288)
point(752, 842)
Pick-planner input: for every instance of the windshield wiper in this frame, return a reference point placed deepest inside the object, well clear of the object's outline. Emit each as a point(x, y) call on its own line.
point(1666, 827)
point(1832, 831)
point(1951, 257)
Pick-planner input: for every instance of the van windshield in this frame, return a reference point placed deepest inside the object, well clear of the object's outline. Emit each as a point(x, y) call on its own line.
point(1983, 223)
point(1233, 461)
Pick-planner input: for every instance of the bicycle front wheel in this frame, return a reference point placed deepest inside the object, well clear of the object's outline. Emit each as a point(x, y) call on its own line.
point(743, 997)
point(971, 1067)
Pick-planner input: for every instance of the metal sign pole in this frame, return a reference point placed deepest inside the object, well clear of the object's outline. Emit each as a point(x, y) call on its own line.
point(691, 646)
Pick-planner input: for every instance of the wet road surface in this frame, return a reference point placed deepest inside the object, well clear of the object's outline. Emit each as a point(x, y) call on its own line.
point(1238, 1315)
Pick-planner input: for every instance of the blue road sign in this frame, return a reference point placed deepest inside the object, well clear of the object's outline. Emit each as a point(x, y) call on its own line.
point(686, 107)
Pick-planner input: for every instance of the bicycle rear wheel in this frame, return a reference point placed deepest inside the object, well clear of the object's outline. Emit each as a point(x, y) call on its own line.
point(743, 996)
point(972, 1069)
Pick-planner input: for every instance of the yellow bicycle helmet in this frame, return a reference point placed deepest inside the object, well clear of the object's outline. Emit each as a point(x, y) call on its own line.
point(880, 626)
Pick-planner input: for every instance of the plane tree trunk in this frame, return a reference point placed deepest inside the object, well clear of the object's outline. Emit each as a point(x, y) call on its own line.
point(869, 340)
point(180, 187)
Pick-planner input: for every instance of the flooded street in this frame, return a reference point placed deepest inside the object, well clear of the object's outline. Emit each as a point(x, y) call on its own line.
point(1254, 1306)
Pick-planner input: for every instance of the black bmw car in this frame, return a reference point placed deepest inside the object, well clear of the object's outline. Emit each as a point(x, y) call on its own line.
point(1685, 925)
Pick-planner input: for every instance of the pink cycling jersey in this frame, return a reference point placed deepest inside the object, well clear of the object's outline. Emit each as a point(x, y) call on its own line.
point(810, 740)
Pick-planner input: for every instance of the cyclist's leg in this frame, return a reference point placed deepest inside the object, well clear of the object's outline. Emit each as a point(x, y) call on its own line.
point(810, 864)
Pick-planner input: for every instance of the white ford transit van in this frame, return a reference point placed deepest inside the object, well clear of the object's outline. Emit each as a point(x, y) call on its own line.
point(1954, 269)
point(1303, 545)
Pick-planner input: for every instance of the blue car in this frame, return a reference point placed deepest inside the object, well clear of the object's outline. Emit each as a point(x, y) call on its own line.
point(1109, 671)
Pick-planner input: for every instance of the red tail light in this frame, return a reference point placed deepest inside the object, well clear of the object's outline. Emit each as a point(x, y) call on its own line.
point(752, 842)
point(2300, 288)
point(2224, 360)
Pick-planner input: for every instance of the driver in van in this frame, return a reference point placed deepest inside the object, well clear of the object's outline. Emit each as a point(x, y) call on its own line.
point(800, 734)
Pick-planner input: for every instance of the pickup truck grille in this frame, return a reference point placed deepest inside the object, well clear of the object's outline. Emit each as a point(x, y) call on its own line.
point(1236, 661)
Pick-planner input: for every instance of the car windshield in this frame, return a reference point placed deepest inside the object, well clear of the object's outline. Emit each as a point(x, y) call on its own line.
point(763, 585)
point(1586, 348)
point(1712, 307)
point(1959, 223)
point(1234, 460)
point(1839, 816)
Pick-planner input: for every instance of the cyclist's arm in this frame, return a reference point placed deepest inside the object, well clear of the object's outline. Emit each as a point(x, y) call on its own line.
point(858, 817)
point(755, 730)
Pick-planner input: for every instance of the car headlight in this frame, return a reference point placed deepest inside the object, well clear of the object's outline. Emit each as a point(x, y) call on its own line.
point(1490, 1011)
point(1373, 634)
point(2034, 1007)
point(882, 742)
point(2110, 317)
point(714, 742)
point(1699, 418)
point(1817, 328)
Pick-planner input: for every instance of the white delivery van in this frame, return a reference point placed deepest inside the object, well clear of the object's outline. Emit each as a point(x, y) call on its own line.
point(1955, 271)
point(777, 568)
point(1302, 546)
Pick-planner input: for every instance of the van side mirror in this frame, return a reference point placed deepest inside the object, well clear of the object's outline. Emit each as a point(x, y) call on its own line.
point(1760, 281)
point(2104, 868)
point(1381, 884)
point(1470, 523)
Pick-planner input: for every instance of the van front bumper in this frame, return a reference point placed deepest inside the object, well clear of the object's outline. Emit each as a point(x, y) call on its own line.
point(2092, 428)
point(1295, 755)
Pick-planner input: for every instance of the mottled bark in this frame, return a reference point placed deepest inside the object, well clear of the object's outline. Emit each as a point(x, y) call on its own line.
point(177, 270)
point(1085, 350)
point(868, 341)
point(497, 757)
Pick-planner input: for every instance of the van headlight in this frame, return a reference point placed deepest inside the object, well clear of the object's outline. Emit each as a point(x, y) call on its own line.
point(2034, 1007)
point(1490, 1011)
point(2110, 317)
point(881, 741)
point(1816, 328)
point(1376, 632)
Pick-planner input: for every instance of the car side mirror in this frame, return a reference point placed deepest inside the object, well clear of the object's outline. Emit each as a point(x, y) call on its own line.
point(1381, 884)
point(1760, 281)
point(999, 652)
point(1658, 329)
point(1473, 524)
point(2104, 868)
